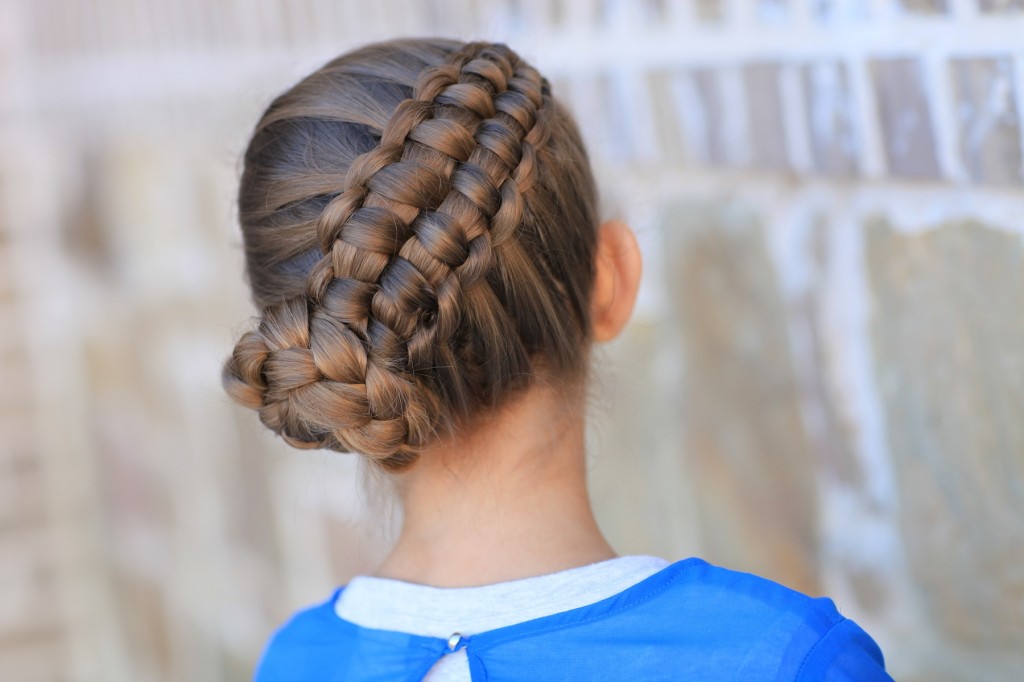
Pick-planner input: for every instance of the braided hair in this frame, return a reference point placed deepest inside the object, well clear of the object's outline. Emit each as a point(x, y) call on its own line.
point(419, 220)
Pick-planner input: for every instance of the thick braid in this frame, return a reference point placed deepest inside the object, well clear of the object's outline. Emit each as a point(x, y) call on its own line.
point(408, 242)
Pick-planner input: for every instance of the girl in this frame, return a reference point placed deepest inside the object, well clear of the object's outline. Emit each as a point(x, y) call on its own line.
point(421, 235)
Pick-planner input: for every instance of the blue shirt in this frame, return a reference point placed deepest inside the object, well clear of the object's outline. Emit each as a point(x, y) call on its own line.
point(689, 621)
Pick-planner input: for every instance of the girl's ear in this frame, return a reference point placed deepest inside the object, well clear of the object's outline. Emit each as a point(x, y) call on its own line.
point(617, 280)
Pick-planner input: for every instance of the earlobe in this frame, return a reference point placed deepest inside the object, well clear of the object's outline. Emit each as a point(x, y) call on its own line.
point(617, 279)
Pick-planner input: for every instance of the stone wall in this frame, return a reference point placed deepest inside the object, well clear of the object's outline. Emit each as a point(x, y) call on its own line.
point(823, 382)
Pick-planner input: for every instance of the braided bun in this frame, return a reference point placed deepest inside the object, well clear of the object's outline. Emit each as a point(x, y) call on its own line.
point(419, 222)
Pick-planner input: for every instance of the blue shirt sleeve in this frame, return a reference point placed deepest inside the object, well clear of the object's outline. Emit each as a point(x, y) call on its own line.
point(845, 653)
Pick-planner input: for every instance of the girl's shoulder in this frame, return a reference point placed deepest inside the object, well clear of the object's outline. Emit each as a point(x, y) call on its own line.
point(732, 593)
point(696, 620)
point(690, 620)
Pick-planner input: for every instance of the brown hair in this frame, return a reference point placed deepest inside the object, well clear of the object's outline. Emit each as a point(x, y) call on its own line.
point(419, 221)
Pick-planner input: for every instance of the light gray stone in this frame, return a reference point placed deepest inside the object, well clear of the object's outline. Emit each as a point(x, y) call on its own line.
point(839, 11)
point(765, 117)
point(712, 113)
point(948, 334)
point(617, 120)
point(829, 110)
point(905, 118)
point(772, 11)
point(667, 117)
point(653, 11)
point(988, 120)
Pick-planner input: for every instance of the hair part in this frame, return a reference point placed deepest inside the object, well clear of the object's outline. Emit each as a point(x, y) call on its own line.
point(419, 222)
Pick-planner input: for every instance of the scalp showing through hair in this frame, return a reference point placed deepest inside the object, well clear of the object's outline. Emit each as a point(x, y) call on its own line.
point(434, 289)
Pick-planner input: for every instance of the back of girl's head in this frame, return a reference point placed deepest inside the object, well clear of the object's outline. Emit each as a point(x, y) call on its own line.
point(419, 220)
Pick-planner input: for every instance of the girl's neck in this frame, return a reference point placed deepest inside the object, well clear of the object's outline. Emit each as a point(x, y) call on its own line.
point(509, 503)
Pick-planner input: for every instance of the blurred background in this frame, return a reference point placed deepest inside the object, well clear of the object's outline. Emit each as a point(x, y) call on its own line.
point(823, 382)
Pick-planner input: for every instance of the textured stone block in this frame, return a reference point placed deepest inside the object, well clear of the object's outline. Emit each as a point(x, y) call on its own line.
point(830, 114)
point(145, 606)
point(743, 435)
point(924, 6)
point(642, 496)
point(652, 12)
point(905, 118)
point(14, 389)
point(22, 500)
point(712, 114)
point(765, 117)
point(709, 10)
point(830, 429)
point(18, 446)
point(1001, 6)
point(623, 119)
point(27, 568)
point(988, 120)
point(667, 118)
point(948, 334)
point(38, 659)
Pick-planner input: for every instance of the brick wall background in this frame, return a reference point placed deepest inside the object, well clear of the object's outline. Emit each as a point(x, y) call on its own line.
point(823, 383)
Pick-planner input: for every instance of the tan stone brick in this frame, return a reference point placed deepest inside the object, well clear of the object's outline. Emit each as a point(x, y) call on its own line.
point(925, 6)
point(1001, 6)
point(15, 393)
point(27, 584)
point(21, 492)
point(830, 431)
point(17, 440)
point(147, 624)
point(642, 495)
point(948, 334)
point(709, 10)
point(744, 439)
point(39, 659)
